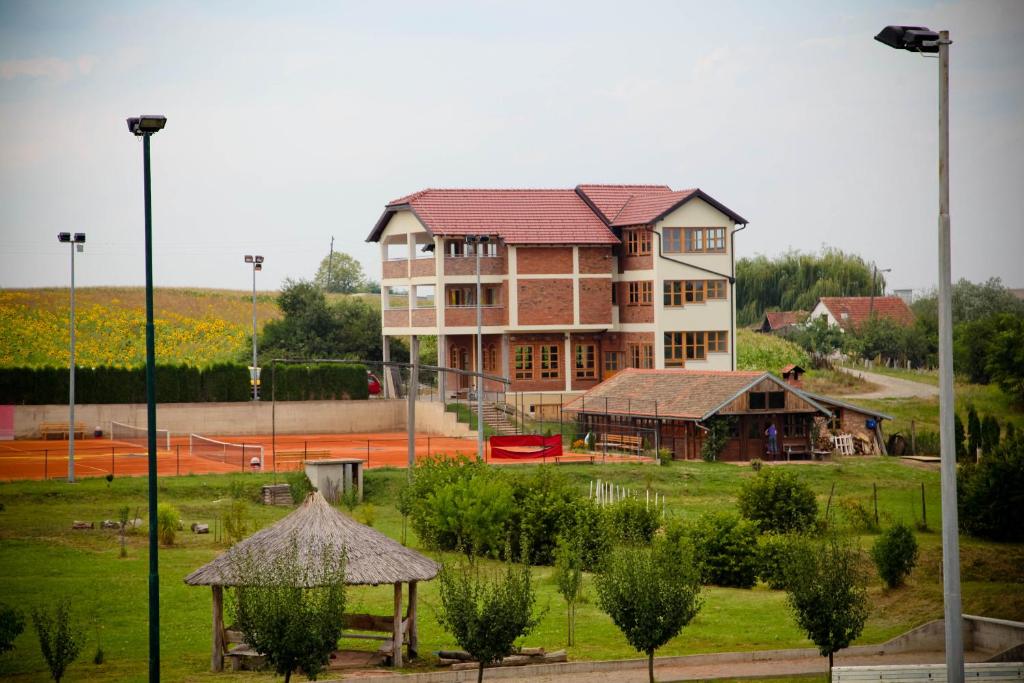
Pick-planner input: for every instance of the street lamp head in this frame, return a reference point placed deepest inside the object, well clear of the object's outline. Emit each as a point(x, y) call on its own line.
point(259, 259)
point(248, 258)
point(258, 266)
point(63, 236)
point(912, 38)
point(147, 124)
point(79, 237)
point(484, 239)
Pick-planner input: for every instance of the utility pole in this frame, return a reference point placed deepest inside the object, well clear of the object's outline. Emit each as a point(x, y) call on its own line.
point(330, 265)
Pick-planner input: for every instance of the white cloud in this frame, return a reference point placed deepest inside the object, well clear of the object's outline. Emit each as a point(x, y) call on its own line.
point(52, 68)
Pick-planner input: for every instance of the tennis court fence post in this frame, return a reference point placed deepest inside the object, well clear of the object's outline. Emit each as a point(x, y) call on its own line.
point(428, 446)
point(177, 459)
point(46, 463)
point(305, 450)
point(111, 459)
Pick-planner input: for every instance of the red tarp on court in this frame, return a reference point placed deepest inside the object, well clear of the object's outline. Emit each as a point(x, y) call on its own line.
point(526, 446)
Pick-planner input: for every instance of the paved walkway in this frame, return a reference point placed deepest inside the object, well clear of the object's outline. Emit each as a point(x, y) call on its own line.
point(890, 387)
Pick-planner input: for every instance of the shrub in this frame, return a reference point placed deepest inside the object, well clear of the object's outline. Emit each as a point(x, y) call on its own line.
point(716, 437)
point(168, 519)
point(299, 485)
point(544, 510)
point(725, 548)
point(12, 623)
point(756, 464)
point(59, 641)
point(990, 494)
point(895, 554)
point(776, 556)
point(926, 442)
point(591, 530)
point(777, 500)
point(236, 524)
point(632, 522)
point(857, 516)
point(468, 507)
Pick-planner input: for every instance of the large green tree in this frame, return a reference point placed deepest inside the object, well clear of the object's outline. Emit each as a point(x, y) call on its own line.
point(340, 273)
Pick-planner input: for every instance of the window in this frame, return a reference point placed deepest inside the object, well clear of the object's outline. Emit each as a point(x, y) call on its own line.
point(671, 240)
point(718, 342)
point(695, 345)
point(549, 362)
point(455, 248)
point(524, 362)
point(674, 349)
point(586, 367)
point(767, 400)
point(795, 425)
point(615, 293)
point(694, 291)
point(715, 289)
point(490, 358)
point(673, 292)
point(461, 296)
point(641, 355)
point(490, 296)
point(704, 239)
point(758, 400)
point(638, 242)
point(776, 400)
point(459, 247)
point(640, 293)
point(611, 361)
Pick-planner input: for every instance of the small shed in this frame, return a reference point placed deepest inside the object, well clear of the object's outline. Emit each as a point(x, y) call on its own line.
point(371, 559)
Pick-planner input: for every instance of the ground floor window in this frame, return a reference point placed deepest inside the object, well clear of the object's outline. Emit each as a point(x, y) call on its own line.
point(524, 362)
point(549, 361)
point(490, 358)
point(795, 425)
point(586, 365)
point(674, 349)
point(641, 356)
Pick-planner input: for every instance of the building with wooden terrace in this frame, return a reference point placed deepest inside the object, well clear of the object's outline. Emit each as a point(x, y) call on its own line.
point(371, 558)
point(673, 408)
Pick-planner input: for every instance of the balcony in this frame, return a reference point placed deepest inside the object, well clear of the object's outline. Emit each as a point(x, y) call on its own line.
point(465, 316)
point(395, 317)
point(466, 265)
point(396, 268)
point(422, 267)
point(424, 317)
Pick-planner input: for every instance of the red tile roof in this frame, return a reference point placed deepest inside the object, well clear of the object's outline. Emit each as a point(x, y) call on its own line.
point(622, 205)
point(646, 209)
point(516, 216)
point(858, 309)
point(780, 319)
point(685, 394)
point(609, 199)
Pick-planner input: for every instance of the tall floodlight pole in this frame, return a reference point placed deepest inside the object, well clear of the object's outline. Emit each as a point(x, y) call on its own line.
point(77, 243)
point(923, 40)
point(874, 278)
point(254, 372)
point(478, 241)
point(144, 127)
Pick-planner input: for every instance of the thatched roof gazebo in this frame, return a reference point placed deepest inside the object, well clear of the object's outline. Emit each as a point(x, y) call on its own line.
point(371, 559)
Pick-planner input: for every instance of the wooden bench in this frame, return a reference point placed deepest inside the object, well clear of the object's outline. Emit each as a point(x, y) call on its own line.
point(799, 450)
point(242, 656)
point(60, 429)
point(930, 673)
point(622, 442)
point(302, 454)
point(380, 624)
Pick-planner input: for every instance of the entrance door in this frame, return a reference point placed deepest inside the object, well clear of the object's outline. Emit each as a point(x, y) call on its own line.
point(459, 360)
point(755, 443)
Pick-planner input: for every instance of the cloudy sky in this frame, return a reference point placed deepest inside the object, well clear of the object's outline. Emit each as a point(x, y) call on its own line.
point(292, 122)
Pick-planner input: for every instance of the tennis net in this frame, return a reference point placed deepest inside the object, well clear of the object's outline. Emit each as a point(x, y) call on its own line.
point(139, 436)
point(237, 454)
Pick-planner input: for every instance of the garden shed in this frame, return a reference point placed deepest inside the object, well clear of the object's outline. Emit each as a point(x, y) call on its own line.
point(371, 559)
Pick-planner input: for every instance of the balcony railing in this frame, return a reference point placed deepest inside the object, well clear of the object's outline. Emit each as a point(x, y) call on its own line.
point(465, 316)
point(466, 265)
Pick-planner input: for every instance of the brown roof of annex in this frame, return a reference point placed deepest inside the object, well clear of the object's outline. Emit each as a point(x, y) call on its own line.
point(858, 309)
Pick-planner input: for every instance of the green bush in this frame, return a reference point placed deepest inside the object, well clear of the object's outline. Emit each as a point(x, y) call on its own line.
point(895, 554)
point(12, 623)
point(990, 494)
point(777, 500)
point(777, 554)
point(168, 519)
point(632, 522)
point(591, 529)
point(725, 549)
point(545, 506)
point(299, 485)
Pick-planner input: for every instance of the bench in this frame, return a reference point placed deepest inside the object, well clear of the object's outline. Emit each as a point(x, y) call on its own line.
point(930, 673)
point(61, 429)
point(799, 450)
point(242, 656)
point(622, 442)
point(302, 454)
point(372, 622)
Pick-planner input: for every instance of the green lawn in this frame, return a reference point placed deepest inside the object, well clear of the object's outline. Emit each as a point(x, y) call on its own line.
point(922, 376)
point(42, 559)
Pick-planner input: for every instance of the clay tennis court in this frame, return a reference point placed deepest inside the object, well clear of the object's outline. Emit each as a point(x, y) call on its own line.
point(97, 457)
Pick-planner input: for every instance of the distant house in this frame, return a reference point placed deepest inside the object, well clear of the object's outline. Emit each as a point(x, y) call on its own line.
point(850, 312)
point(781, 322)
point(674, 406)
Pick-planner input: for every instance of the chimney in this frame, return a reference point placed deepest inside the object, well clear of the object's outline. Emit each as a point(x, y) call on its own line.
point(792, 375)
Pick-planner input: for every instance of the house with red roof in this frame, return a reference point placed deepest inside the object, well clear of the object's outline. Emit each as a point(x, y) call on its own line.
point(576, 284)
point(850, 312)
point(781, 322)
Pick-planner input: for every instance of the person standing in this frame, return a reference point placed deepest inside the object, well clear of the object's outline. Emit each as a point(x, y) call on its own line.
point(773, 440)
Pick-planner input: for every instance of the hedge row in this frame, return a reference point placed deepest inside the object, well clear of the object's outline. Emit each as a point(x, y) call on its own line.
point(179, 384)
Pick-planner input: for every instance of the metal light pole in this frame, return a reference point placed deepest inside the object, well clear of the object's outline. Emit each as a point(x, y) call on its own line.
point(257, 264)
point(77, 242)
point(923, 40)
point(874, 277)
point(478, 241)
point(144, 127)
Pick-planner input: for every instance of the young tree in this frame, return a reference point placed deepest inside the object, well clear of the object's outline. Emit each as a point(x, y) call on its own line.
point(895, 554)
point(650, 593)
point(973, 434)
point(989, 434)
point(12, 623)
point(486, 616)
point(828, 596)
point(959, 438)
point(58, 639)
point(290, 606)
point(339, 272)
point(778, 500)
point(569, 576)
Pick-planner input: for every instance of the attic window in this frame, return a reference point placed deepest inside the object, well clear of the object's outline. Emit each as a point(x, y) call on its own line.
point(844, 315)
point(767, 400)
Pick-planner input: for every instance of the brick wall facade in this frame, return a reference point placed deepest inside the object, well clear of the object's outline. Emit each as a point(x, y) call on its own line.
point(536, 383)
point(466, 265)
point(422, 267)
point(544, 260)
point(595, 301)
point(595, 260)
point(424, 317)
point(633, 314)
point(545, 302)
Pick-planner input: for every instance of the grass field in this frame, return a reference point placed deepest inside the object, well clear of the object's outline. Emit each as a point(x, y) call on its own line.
point(42, 559)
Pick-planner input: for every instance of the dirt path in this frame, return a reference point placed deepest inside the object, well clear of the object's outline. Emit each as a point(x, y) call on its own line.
point(891, 387)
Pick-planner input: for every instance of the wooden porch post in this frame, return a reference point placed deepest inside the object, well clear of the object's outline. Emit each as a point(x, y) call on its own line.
point(396, 638)
point(217, 659)
point(414, 635)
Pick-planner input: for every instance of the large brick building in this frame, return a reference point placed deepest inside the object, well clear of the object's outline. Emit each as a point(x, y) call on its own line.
point(577, 284)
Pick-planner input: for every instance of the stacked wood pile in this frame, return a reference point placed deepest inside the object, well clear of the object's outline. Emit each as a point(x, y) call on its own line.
point(460, 660)
point(277, 494)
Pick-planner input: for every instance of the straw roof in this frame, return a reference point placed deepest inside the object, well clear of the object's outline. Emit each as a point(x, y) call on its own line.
point(371, 557)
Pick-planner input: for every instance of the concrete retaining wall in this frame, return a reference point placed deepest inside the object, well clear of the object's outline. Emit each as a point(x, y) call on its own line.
point(249, 418)
point(980, 633)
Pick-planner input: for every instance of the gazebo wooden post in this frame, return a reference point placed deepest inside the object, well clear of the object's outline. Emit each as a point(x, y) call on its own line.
point(414, 634)
point(217, 660)
point(396, 658)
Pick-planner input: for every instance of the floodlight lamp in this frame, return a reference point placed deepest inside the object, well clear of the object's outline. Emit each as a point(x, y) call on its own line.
point(63, 236)
point(258, 266)
point(259, 259)
point(147, 124)
point(484, 238)
point(80, 237)
point(470, 239)
point(911, 38)
point(248, 258)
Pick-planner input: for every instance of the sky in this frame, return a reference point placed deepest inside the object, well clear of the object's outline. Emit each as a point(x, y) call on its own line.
point(290, 123)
